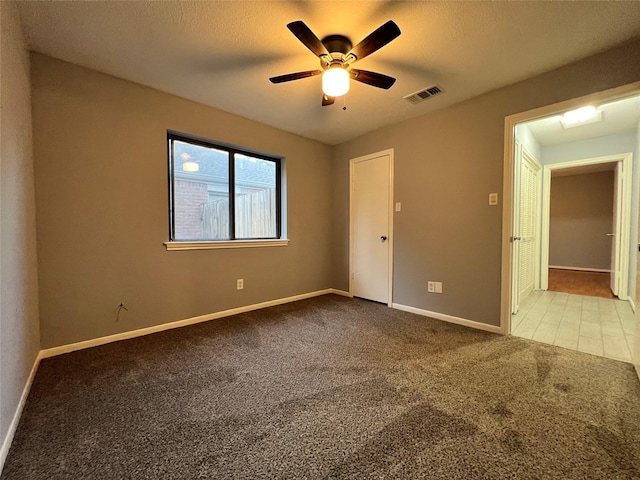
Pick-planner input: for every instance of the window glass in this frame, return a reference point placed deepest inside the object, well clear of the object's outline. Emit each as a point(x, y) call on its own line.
point(255, 197)
point(204, 179)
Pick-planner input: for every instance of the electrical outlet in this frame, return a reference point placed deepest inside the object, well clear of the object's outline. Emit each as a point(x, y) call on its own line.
point(240, 283)
point(431, 287)
point(438, 287)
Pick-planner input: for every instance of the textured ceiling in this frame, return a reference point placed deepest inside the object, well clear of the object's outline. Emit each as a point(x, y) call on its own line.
point(222, 53)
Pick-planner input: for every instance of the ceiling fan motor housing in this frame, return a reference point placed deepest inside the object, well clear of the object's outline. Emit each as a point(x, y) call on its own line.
point(337, 44)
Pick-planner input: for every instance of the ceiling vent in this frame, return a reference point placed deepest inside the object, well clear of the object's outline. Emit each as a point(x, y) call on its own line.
point(423, 94)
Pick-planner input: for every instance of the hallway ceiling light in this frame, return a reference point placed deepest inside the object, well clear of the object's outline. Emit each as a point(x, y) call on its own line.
point(581, 116)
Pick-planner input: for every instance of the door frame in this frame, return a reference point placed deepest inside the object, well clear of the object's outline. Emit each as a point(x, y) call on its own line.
point(510, 123)
point(390, 210)
point(623, 159)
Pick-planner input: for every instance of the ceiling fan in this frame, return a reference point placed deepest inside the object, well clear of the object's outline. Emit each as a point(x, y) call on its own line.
point(336, 55)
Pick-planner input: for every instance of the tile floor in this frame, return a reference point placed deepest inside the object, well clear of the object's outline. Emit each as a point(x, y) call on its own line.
point(599, 326)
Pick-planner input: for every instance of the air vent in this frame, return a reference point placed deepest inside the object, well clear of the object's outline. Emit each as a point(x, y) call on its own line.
point(423, 94)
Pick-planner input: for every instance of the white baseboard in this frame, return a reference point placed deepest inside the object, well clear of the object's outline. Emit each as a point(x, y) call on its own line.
point(581, 269)
point(8, 439)
point(340, 292)
point(51, 352)
point(449, 318)
point(632, 303)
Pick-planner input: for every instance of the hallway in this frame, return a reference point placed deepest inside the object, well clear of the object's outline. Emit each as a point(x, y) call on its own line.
point(598, 326)
point(593, 284)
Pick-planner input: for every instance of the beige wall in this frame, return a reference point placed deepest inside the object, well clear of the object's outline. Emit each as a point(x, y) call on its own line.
point(102, 194)
point(19, 333)
point(446, 164)
point(581, 215)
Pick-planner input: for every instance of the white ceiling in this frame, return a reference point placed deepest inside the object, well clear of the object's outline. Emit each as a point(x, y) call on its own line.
point(222, 53)
point(617, 117)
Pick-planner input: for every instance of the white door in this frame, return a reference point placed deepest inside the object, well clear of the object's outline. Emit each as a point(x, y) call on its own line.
point(525, 237)
point(370, 227)
point(528, 225)
point(615, 230)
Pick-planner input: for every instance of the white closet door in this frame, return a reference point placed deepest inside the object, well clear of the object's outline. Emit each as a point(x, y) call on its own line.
point(371, 190)
point(529, 176)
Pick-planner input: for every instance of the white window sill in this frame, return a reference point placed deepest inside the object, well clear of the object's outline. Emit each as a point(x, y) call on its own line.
point(226, 244)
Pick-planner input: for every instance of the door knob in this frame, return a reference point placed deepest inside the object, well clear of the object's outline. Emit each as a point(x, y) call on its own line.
point(383, 238)
point(611, 234)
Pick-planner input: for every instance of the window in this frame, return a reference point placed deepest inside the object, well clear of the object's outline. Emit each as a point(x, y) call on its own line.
point(221, 194)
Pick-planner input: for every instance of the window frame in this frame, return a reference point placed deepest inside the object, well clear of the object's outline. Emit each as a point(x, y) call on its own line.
point(232, 241)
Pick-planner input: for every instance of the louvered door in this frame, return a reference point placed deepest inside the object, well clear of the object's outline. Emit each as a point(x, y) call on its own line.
point(529, 176)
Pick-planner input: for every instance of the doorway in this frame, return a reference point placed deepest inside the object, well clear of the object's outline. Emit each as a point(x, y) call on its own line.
point(371, 227)
point(580, 231)
point(597, 326)
point(614, 237)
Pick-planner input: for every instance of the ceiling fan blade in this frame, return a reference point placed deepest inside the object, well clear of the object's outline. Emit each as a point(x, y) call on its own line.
point(295, 76)
point(376, 40)
point(327, 100)
point(307, 37)
point(372, 78)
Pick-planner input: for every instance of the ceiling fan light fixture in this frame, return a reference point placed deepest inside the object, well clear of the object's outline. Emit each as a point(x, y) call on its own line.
point(335, 82)
point(336, 55)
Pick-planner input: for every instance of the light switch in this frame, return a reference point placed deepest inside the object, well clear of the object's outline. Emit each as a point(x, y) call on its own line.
point(398, 206)
point(493, 199)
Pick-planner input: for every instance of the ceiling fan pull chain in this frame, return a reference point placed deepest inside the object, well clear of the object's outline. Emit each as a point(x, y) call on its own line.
point(344, 104)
